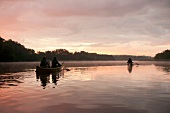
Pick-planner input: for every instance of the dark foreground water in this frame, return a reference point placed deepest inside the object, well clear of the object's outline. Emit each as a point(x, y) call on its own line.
point(90, 87)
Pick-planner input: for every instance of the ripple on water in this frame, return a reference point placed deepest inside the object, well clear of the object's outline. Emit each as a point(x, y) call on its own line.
point(94, 89)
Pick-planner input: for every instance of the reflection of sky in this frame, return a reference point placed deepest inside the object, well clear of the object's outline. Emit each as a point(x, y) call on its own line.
point(94, 87)
point(102, 26)
point(147, 74)
point(144, 88)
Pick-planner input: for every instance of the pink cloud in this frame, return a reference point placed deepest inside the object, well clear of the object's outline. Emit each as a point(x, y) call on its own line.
point(80, 22)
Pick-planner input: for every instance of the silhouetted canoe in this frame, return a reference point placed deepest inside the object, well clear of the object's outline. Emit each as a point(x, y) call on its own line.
point(40, 70)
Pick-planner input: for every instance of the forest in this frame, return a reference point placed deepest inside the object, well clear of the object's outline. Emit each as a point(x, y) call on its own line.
point(11, 51)
point(165, 55)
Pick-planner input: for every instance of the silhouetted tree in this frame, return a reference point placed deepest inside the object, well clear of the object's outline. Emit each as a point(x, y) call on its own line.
point(165, 55)
point(11, 51)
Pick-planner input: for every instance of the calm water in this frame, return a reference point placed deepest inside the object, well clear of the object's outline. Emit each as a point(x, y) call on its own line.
point(90, 87)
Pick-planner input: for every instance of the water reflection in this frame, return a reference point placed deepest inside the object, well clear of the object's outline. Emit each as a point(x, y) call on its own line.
point(129, 67)
point(89, 89)
point(7, 80)
point(13, 67)
point(166, 69)
point(45, 78)
point(163, 67)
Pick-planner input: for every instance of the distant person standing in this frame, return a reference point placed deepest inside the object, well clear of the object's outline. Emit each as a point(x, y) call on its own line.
point(44, 63)
point(129, 61)
point(55, 63)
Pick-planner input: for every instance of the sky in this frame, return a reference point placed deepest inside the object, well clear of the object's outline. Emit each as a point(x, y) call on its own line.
point(115, 27)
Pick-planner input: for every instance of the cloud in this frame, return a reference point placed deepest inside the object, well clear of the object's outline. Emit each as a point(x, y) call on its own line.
point(92, 8)
point(94, 24)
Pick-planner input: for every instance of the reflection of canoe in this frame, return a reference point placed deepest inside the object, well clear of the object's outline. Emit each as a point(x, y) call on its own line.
point(40, 70)
point(130, 65)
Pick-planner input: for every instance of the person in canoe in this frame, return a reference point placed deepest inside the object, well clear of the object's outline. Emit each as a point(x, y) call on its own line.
point(55, 63)
point(129, 61)
point(44, 63)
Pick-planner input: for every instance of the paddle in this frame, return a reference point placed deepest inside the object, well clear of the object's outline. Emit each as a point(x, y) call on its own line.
point(136, 63)
point(65, 68)
point(133, 63)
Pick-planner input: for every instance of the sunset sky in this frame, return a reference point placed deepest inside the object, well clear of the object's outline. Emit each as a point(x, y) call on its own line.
point(135, 27)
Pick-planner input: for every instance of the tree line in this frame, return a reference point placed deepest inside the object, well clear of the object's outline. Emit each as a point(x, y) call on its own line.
point(165, 55)
point(11, 51)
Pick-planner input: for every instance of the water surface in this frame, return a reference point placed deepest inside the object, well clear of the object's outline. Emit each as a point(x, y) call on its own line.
point(90, 87)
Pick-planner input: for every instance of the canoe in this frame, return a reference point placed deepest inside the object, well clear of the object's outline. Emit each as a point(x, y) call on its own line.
point(40, 70)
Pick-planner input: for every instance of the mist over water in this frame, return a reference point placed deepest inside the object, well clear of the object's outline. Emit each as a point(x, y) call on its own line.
point(90, 87)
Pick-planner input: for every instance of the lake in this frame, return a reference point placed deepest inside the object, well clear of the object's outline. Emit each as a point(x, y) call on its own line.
point(89, 87)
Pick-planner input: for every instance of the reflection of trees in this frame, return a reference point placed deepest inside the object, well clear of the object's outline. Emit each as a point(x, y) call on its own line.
point(6, 81)
point(16, 67)
point(164, 67)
